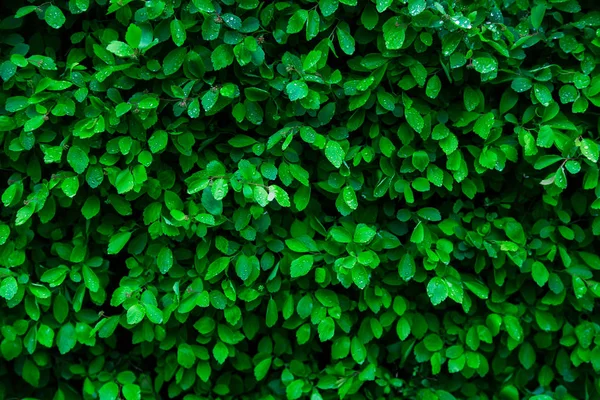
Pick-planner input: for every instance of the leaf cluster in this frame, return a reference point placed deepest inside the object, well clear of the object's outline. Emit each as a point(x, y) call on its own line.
point(332, 199)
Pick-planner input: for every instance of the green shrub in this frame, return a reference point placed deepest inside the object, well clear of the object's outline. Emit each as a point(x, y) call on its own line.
point(244, 199)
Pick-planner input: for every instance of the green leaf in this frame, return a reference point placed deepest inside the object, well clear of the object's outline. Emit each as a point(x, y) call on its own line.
point(220, 352)
point(437, 290)
point(219, 189)
point(358, 350)
point(185, 356)
point(78, 159)
point(178, 33)
point(204, 5)
point(244, 266)
point(194, 109)
point(148, 103)
point(294, 389)
point(31, 373)
point(542, 94)
point(311, 60)
point(403, 328)
point(560, 179)
point(485, 65)
point(590, 150)
point(297, 21)
point(521, 85)
point(484, 124)
point(334, 153)
point(350, 199)
point(364, 233)
point(91, 279)
point(24, 214)
point(133, 37)
point(209, 99)
point(301, 266)
point(23, 11)
point(135, 314)
point(360, 276)
point(154, 314)
point(216, 267)
point(296, 90)
point(328, 7)
point(118, 241)
point(262, 369)
point(54, 17)
point(16, 103)
point(420, 160)
point(70, 186)
point(7, 71)
point(539, 273)
point(272, 313)
point(34, 123)
point(121, 49)
point(429, 214)
point(434, 85)
point(414, 119)
point(312, 25)
point(261, 196)
point(232, 21)
point(131, 392)
point(386, 100)
point(346, 41)
point(109, 391)
point(82, 5)
point(158, 141)
point(164, 260)
point(416, 7)
point(513, 327)
point(174, 60)
point(537, 15)
point(546, 161)
point(280, 195)
point(222, 57)
point(124, 182)
point(326, 329)
point(471, 98)
point(66, 338)
point(407, 267)
point(393, 33)
point(8, 288)
point(4, 233)
point(45, 335)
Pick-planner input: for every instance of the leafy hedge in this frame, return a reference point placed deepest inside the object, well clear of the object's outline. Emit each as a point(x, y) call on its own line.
point(386, 199)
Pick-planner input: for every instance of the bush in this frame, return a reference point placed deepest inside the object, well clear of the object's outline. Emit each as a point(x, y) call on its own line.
point(390, 199)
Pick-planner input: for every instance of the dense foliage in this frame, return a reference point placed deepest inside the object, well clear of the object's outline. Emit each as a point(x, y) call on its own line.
point(244, 199)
